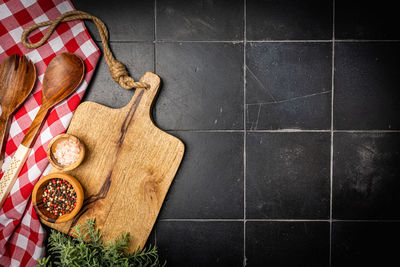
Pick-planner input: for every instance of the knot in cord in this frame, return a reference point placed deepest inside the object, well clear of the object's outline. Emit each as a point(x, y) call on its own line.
point(120, 75)
point(117, 69)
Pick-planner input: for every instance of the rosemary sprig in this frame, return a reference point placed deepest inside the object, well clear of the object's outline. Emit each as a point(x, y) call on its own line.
point(87, 249)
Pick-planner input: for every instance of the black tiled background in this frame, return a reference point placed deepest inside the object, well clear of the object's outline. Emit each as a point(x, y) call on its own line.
point(290, 115)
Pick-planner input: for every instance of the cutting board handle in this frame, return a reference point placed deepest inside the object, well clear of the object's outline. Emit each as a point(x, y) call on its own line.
point(144, 97)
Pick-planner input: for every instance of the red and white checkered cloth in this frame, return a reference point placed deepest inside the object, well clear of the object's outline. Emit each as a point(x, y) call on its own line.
point(21, 235)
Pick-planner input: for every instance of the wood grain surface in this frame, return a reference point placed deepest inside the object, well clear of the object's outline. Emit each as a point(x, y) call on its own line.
point(17, 78)
point(129, 166)
point(62, 77)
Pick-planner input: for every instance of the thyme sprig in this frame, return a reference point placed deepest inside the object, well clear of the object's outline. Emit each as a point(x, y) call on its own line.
point(87, 249)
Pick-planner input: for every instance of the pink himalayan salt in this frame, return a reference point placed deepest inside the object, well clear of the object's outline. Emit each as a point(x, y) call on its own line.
point(67, 152)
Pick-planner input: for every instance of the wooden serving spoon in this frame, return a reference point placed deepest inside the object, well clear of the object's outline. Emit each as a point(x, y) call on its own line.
point(17, 78)
point(62, 77)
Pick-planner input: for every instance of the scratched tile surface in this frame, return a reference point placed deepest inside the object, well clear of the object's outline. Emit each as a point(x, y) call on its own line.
point(289, 113)
point(276, 102)
point(289, 20)
point(200, 20)
point(366, 176)
point(204, 86)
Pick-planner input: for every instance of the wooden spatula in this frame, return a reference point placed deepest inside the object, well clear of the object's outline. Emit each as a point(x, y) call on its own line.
point(17, 78)
point(62, 77)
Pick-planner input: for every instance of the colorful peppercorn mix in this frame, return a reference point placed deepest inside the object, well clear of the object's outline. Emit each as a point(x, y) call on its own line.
point(59, 197)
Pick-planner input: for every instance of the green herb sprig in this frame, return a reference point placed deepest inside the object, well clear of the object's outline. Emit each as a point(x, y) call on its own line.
point(87, 249)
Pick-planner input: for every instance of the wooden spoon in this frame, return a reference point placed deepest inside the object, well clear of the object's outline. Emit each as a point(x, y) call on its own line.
point(17, 78)
point(62, 77)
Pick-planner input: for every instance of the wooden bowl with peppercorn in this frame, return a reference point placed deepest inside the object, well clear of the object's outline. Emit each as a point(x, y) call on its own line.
point(57, 197)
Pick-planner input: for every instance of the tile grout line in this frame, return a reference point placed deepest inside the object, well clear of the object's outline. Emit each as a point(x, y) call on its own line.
point(155, 71)
point(331, 151)
point(282, 220)
point(285, 131)
point(366, 131)
point(206, 131)
point(245, 131)
point(242, 220)
point(155, 35)
point(252, 41)
point(321, 41)
point(290, 41)
point(200, 41)
point(155, 21)
point(202, 220)
point(289, 131)
point(363, 41)
point(368, 220)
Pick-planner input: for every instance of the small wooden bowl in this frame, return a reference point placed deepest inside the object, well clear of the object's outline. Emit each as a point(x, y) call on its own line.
point(51, 150)
point(37, 196)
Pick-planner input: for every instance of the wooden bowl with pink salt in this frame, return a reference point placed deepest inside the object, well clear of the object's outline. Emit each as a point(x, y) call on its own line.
point(65, 152)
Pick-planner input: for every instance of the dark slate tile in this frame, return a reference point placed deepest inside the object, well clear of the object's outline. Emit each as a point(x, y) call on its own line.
point(137, 57)
point(366, 176)
point(288, 175)
point(365, 244)
point(126, 20)
point(203, 86)
point(201, 243)
point(209, 183)
point(281, 71)
point(287, 244)
point(360, 19)
point(366, 86)
point(151, 240)
point(300, 113)
point(200, 20)
point(289, 19)
point(288, 85)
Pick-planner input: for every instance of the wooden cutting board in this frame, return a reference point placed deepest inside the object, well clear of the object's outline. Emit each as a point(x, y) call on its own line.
point(128, 167)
